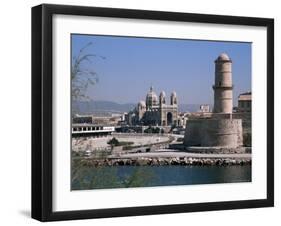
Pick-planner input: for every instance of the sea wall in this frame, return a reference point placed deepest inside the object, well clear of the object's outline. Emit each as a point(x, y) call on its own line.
point(165, 161)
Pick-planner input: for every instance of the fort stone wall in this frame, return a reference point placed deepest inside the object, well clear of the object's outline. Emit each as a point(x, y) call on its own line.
point(214, 133)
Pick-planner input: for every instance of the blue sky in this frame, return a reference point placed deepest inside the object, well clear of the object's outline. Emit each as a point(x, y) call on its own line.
point(132, 65)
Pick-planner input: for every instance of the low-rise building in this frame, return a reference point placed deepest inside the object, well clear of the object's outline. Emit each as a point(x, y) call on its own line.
point(245, 102)
point(94, 130)
point(204, 108)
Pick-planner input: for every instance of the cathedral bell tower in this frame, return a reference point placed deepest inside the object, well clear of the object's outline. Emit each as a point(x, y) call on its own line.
point(162, 98)
point(174, 100)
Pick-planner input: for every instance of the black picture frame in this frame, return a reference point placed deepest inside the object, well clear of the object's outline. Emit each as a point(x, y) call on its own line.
point(42, 111)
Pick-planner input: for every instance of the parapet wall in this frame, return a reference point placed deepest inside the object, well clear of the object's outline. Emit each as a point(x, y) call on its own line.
point(214, 133)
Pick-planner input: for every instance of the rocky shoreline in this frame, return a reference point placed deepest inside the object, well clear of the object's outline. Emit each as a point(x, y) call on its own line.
point(186, 161)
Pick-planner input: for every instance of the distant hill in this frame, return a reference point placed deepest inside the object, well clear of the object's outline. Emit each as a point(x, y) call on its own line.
point(103, 106)
point(189, 107)
point(113, 107)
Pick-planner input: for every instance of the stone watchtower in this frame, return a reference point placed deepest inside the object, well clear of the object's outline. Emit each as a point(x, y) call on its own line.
point(220, 133)
point(223, 85)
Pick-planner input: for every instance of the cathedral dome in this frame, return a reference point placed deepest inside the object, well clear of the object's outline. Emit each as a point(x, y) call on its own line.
point(151, 98)
point(141, 104)
point(223, 57)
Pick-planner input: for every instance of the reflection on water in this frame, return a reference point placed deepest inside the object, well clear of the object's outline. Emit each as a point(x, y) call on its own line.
point(148, 176)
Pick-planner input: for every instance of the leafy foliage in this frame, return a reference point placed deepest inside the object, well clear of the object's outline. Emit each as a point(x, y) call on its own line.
point(84, 177)
point(113, 142)
point(153, 130)
point(116, 142)
point(82, 75)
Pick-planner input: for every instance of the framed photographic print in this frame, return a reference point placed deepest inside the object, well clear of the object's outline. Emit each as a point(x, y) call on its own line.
point(145, 112)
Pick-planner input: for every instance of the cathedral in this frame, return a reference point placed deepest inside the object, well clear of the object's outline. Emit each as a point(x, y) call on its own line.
point(157, 113)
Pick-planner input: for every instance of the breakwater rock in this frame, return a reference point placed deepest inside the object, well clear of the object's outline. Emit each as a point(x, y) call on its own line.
point(164, 161)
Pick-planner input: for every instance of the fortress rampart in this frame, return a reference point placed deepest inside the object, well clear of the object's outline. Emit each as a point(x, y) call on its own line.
point(214, 132)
